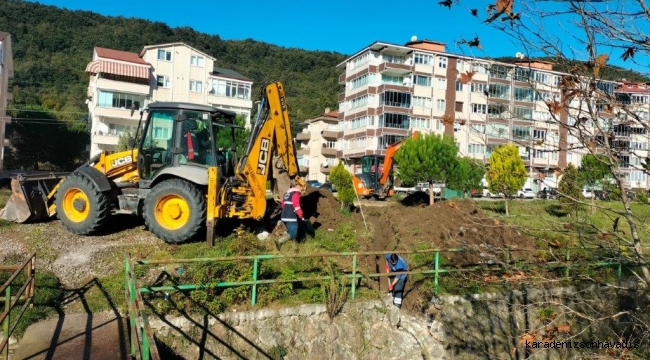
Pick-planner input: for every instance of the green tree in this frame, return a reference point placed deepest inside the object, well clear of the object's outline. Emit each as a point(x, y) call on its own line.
point(224, 140)
point(593, 171)
point(507, 172)
point(467, 175)
point(429, 157)
point(125, 141)
point(570, 188)
point(342, 180)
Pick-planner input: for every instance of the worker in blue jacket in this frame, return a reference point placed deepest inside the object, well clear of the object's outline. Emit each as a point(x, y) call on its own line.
point(395, 263)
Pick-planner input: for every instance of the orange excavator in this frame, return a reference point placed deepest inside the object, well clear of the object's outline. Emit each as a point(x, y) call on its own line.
point(376, 178)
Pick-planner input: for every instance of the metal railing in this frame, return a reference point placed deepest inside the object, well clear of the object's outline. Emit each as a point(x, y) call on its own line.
point(142, 337)
point(24, 293)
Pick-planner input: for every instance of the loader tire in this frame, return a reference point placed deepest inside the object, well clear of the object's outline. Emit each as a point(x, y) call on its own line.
point(81, 207)
point(174, 211)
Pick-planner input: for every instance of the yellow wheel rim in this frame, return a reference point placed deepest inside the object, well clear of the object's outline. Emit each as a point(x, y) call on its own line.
point(172, 212)
point(76, 205)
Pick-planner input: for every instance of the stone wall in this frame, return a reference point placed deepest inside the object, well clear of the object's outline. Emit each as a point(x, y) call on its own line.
point(486, 326)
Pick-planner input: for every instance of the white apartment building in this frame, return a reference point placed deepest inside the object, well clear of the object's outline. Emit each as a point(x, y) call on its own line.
point(121, 81)
point(319, 148)
point(392, 90)
point(6, 73)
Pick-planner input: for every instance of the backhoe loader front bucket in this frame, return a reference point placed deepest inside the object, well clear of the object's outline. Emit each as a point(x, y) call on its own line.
point(31, 197)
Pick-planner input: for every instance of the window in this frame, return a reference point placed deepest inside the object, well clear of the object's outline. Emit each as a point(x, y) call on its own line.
point(424, 102)
point(119, 129)
point(539, 134)
point(637, 176)
point(499, 91)
point(423, 59)
point(543, 78)
point(496, 110)
point(110, 99)
point(366, 79)
point(459, 86)
point(521, 132)
point(163, 81)
point(476, 149)
point(330, 144)
point(539, 154)
point(480, 68)
point(524, 94)
point(160, 132)
point(230, 88)
point(387, 140)
point(541, 115)
point(164, 55)
point(479, 108)
point(639, 145)
point(390, 80)
point(542, 95)
point(422, 80)
point(556, 80)
point(439, 125)
point(442, 83)
point(358, 143)
point(440, 104)
point(359, 102)
point(361, 60)
point(395, 121)
point(478, 128)
point(397, 99)
point(360, 122)
point(478, 87)
point(395, 59)
point(196, 86)
point(442, 62)
point(419, 123)
point(523, 113)
point(497, 130)
point(522, 74)
point(458, 106)
point(499, 72)
point(196, 60)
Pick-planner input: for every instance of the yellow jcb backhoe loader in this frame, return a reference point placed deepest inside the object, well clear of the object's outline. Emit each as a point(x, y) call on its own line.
point(176, 179)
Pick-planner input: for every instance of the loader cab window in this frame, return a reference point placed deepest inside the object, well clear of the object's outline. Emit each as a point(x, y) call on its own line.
point(156, 143)
point(372, 164)
point(196, 139)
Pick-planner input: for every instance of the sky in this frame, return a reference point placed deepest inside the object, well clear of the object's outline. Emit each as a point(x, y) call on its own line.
point(344, 26)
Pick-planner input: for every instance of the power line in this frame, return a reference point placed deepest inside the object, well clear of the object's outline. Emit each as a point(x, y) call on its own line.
point(48, 110)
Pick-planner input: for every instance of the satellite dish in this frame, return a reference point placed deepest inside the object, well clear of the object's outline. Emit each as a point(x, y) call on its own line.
point(414, 38)
point(519, 55)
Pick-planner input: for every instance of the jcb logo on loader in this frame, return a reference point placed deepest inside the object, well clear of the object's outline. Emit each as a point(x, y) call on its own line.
point(122, 161)
point(263, 158)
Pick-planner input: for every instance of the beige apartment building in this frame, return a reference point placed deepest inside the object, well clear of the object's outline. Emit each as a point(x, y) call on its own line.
point(392, 90)
point(6, 73)
point(122, 81)
point(319, 146)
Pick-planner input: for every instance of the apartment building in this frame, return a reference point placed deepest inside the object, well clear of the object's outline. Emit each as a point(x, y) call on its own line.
point(319, 146)
point(392, 90)
point(121, 82)
point(6, 73)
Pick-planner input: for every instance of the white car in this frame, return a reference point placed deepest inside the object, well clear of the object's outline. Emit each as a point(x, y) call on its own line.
point(587, 193)
point(526, 193)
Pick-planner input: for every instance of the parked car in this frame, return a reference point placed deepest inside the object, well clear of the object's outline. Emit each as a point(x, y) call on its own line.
point(328, 186)
point(526, 193)
point(547, 193)
point(587, 193)
point(314, 183)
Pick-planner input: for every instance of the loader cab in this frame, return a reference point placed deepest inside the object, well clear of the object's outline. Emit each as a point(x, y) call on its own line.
point(372, 168)
point(179, 140)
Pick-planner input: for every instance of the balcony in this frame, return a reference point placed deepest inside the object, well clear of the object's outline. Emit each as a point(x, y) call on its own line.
point(342, 96)
point(303, 151)
point(325, 170)
point(302, 136)
point(394, 68)
point(106, 139)
point(117, 113)
point(329, 151)
point(330, 134)
point(342, 79)
point(123, 86)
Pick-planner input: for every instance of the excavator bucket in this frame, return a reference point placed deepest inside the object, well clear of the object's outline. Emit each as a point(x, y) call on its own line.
point(30, 200)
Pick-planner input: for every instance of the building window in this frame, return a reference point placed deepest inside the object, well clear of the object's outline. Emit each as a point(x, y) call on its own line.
point(163, 81)
point(165, 55)
point(196, 86)
point(230, 88)
point(478, 87)
point(524, 94)
point(521, 132)
point(479, 108)
point(543, 78)
point(499, 72)
point(458, 106)
point(522, 74)
point(499, 91)
point(539, 154)
point(110, 99)
point(389, 80)
point(423, 59)
point(459, 86)
point(442, 62)
point(397, 99)
point(119, 129)
point(330, 144)
point(478, 128)
point(440, 104)
point(196, 60)
point(365, 80)
point(424, 102)
point(442, 84)
point(361, 60)
point(497, 110)
point(422, 80)
point(387, 140)
point(161, 132)
point(523, 113)
point(476, 149)
point(395, 121)
point(419, 123)
point(539, 134)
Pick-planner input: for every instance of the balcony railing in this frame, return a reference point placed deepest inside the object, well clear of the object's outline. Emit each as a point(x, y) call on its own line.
point(303, 151)
point(329, 151)
point(325, 170)
point(303, 136)
point(330, 134)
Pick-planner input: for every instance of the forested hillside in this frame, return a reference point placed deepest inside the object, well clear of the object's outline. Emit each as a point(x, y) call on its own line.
point(51, 47)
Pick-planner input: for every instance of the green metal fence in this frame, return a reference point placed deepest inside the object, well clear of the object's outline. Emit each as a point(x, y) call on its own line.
point(142, 343)
point(25, 294)
point(145, 337)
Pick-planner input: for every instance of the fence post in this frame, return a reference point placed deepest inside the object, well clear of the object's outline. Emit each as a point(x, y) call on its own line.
point(354, 276)
point(254, 294)
point(435, 268)
point(567, 257)
point(619, 270)
point(7, 320)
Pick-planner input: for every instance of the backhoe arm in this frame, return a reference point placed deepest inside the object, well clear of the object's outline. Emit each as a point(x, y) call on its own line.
point(389, 159)
point(270, 152)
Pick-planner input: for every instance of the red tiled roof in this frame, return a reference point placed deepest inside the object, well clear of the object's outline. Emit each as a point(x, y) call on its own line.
point(119, 55)
point(334, 114)
point(3, 35)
